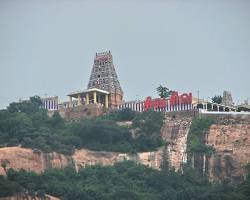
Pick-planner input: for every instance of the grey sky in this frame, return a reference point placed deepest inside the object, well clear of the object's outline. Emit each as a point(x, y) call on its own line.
point(48, 46)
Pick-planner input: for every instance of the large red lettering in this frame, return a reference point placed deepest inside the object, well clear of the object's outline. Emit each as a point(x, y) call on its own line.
point(148, 103)
point(185, 98)
point(156, 103)
point(161, 103)
point(174, 99)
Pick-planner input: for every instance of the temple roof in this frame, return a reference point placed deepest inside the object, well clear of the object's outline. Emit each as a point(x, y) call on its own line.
point(83, 92)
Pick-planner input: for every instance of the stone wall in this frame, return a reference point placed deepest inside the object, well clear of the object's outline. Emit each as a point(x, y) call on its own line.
point(75, 113)
point(182, 114)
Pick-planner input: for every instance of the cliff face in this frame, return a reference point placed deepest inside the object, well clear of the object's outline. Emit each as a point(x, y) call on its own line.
point(230, 138)
point(85, 157)
point(32, 160)
point(175, 132)
point(232, 151)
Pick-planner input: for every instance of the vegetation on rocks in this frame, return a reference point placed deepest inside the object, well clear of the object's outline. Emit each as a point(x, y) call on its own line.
point(121, 115)
point(196, 136)
point(26, 124)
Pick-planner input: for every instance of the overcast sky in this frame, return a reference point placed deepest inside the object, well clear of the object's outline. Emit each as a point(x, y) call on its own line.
point(48, 46)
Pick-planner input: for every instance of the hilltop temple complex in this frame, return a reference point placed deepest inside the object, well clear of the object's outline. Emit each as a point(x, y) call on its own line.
point(104, 93)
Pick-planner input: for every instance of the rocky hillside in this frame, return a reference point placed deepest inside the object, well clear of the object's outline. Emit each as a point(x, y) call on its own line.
point(174, 131)
point(33, 160)
point(229, 137)
point(231, 140)
point(27, 197)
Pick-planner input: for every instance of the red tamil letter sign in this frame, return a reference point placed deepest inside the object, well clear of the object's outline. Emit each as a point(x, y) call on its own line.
point(148, 103)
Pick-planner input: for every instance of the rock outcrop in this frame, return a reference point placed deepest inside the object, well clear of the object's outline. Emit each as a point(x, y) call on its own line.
point(85, 157)
point(27, 197)
point(232, 151)
point(32, 160)
point(175, 132)
point(230, 139)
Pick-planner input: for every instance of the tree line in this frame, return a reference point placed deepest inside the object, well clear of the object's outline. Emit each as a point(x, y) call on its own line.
point(125, 180)
point(27, 124)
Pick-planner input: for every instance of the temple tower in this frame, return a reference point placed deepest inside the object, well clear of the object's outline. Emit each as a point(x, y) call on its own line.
point(227, 99)
point(104, 77)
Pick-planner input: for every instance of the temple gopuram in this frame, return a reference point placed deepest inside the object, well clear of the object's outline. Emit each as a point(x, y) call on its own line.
point(103, 92)
point(103, 87)
point(104, 77)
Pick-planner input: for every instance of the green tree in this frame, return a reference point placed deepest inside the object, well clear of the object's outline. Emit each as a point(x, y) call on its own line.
point(149, 123)
point(26, 123)
point(147, 128)
point(28, 106)
point(217, 99)
point(122, 115)
point(163, 92)
point(196, 136)
point(4, 164)
point(56, 121)
point(123, 180)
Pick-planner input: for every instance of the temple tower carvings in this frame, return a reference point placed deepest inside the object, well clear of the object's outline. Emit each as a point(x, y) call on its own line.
point(227, 99)
point(104, 77)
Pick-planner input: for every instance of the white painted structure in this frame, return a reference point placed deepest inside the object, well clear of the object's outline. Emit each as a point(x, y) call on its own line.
point(139, 106)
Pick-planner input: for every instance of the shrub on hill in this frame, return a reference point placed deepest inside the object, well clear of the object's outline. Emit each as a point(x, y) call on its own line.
point(125, 180)
point(121, 115)
point(27, 124)
point(196, 136)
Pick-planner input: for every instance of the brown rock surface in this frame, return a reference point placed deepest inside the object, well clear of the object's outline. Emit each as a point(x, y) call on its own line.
point(20, 158)
point(31, 160)
point(85, 157)
point(175, 132)
point(232, 150)
point(76, 113)
point(26, 197)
